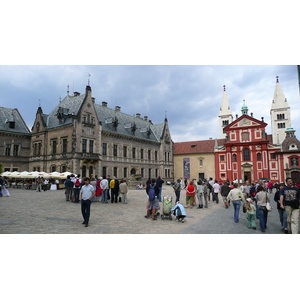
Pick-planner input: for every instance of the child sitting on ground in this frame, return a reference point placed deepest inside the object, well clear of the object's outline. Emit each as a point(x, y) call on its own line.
point(251, 209)
point(179, 212)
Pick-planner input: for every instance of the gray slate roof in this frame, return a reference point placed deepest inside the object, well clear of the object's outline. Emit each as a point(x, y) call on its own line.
point(12, 115)
point(144, 129)
point(70, 105)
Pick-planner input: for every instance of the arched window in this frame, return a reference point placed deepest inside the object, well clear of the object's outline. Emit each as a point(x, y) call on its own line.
point(258, 156)
point(246, 153)
point(294, 162)
point(234, 157)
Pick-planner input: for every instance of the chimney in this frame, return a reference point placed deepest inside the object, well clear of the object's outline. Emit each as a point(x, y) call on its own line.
point(145, 118)
point(138, 115)
point(118, 108)
point(104, 103)
point(76, 94)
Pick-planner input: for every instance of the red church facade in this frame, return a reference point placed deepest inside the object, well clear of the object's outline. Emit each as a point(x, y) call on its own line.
point(248, 153)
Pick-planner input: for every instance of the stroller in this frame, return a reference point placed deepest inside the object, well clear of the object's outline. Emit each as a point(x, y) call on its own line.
point(167, 206)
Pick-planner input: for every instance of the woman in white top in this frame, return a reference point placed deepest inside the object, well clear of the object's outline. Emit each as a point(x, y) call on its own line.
point(262, 212)
point(236, 196)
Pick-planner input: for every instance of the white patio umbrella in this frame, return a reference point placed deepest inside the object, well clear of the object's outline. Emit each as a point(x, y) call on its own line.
point(6, 174)
point(54, 174)
point(15, 174)
point(24, 174)
point(43, 174)
point(34, 174)
point(64, 175)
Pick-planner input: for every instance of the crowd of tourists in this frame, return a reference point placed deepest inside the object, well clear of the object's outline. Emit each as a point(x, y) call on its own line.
point(254, 198)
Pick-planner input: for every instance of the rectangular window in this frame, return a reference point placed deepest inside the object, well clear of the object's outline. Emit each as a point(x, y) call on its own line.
point(124, 151)
point(104, 172)
point(115, 150)
point(7, 149)
point(142, 153)
point(142, 172)
point(125, 173)
point(245, 136)
point(225, 122)
point(54, 147)
point(91, 150)
point(155, 155)
point(222, 157)
point(273, 155)
point(16, 150)
point(156, 173)
point(149, 154)
point(39, 149)
point(84, 142)
point(133, 152)
point(104, 148)
point(116, 172)
point(64, 146)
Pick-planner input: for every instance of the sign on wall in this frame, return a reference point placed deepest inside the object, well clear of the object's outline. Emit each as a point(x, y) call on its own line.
point(186, 168)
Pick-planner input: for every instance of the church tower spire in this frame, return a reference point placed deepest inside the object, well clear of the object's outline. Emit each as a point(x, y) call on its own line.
point(225, 115)
point(280, 114)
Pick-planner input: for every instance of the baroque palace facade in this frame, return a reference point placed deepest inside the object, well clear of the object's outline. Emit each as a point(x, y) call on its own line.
point(245, 152)
point(86, 138)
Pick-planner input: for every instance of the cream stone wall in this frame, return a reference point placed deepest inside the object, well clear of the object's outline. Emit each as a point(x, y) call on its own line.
point(207, 167)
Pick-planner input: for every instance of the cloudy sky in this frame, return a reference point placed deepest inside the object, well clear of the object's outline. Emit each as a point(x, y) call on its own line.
point(158, 58)
point(190, 96)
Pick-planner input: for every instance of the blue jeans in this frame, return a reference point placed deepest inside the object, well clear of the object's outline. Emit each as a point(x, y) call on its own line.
point(76, 194)
point(283, 218)
point(263, 217)
point(236, 206)
point(104, 196)
point(159, 194)
point(216, 197)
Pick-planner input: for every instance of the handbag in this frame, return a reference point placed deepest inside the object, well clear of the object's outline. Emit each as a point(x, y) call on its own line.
point(244, 208)
point(268, 206)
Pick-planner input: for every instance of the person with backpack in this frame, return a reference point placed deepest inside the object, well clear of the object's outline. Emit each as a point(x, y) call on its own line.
point(225, 189)
point(153, 204)
point(76, 188)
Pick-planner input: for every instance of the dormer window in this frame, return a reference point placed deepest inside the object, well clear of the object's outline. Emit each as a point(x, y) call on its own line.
point(293, 147)
point(11, 124)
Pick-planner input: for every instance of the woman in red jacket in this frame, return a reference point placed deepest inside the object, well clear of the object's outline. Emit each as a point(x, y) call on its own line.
point(190, 194)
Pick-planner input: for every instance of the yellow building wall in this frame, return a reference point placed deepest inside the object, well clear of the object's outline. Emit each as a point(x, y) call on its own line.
point(207, 166)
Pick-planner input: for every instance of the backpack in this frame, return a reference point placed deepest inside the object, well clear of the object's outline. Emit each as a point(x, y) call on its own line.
point(151, 193)
point(77, 183)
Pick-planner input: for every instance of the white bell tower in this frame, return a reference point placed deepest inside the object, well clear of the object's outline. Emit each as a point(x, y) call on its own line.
point(225, 115)
point(280, 115)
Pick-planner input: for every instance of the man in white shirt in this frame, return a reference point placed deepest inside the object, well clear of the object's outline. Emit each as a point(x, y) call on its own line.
point(104, 187)
point(216, 188)
point(87, 193)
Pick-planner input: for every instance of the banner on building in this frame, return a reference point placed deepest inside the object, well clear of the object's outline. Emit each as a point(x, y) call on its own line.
point(186, 168)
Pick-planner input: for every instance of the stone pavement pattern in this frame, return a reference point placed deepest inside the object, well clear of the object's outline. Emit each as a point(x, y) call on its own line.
point(31, 212)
